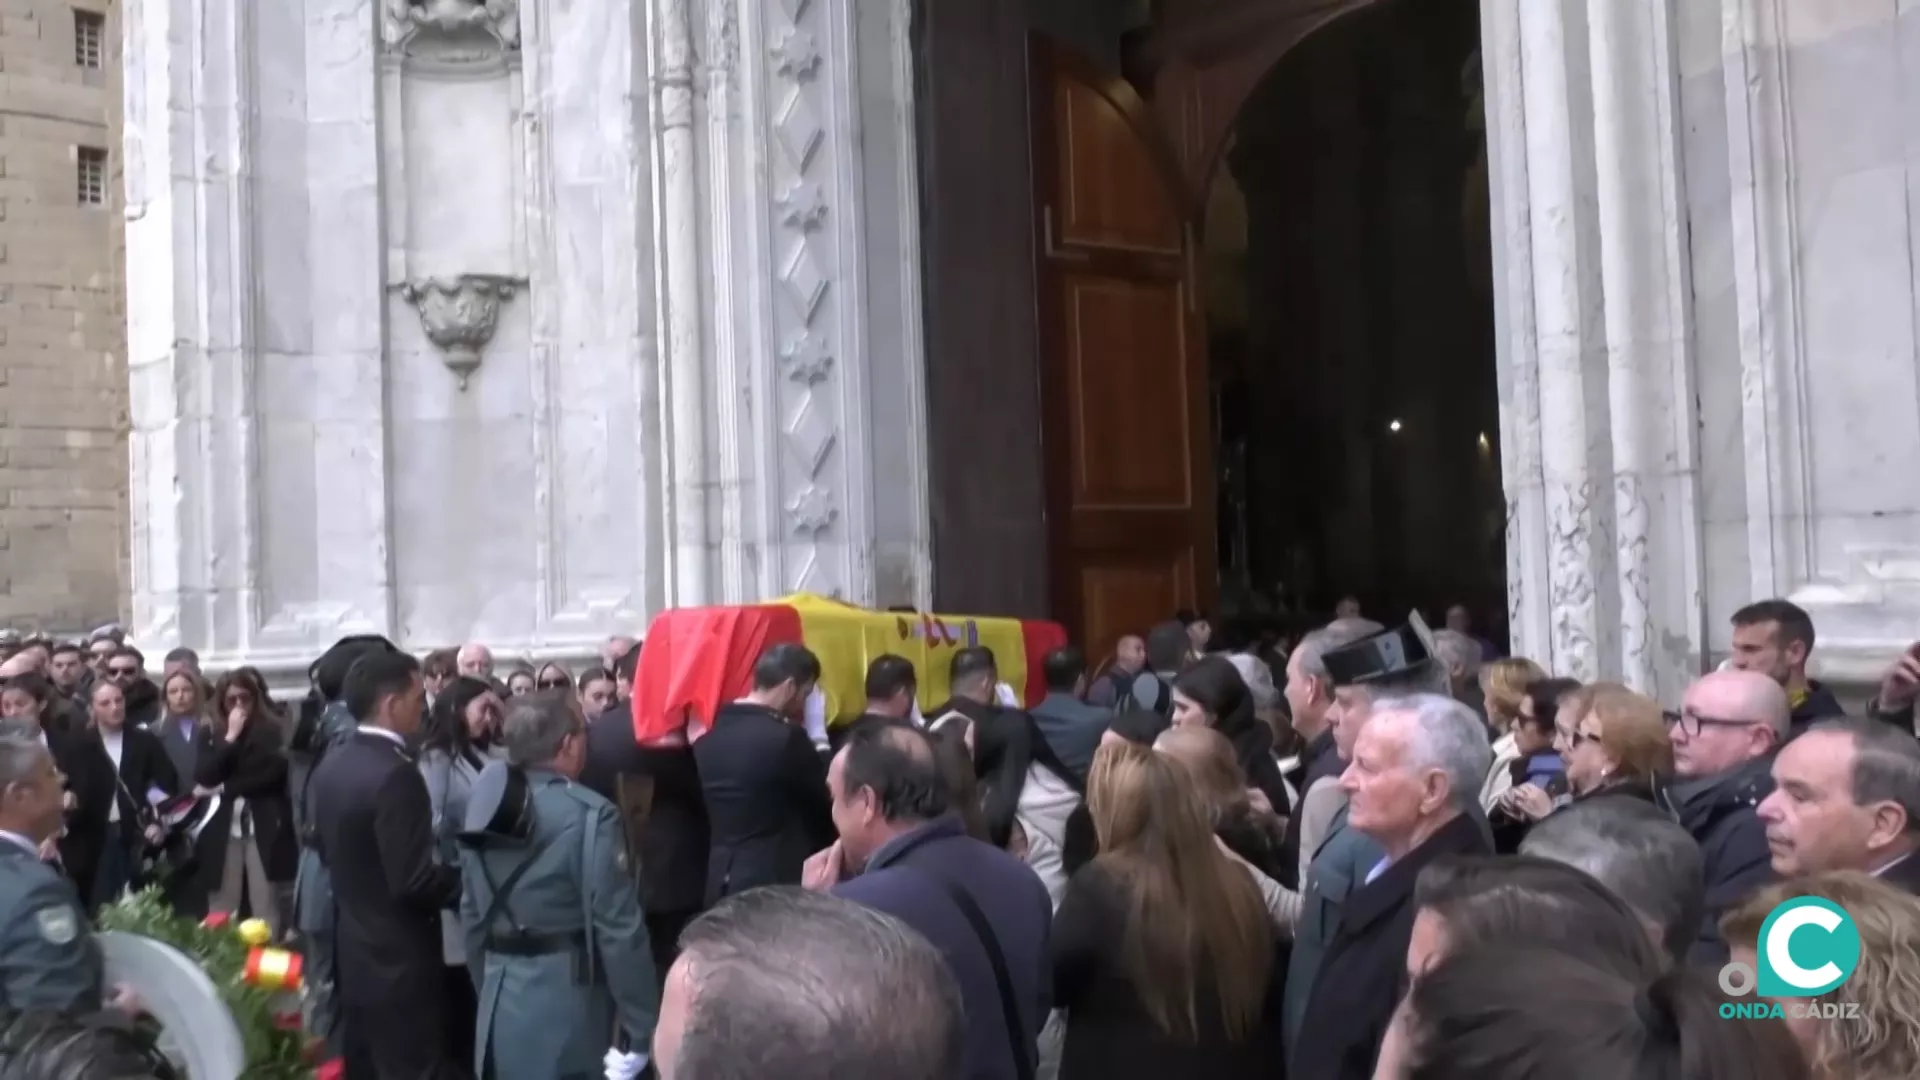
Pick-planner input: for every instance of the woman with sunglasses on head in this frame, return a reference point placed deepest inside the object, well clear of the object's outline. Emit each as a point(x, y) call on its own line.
point(249, 851)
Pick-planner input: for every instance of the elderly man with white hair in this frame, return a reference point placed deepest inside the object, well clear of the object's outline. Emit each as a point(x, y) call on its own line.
point(1416, 771)
point(1343, 670)
point(474, 660)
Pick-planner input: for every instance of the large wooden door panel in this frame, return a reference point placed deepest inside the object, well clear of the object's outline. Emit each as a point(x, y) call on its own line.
point(1121, 597)
point(1119, 336)
point(1109, 188)
point(1123, 370)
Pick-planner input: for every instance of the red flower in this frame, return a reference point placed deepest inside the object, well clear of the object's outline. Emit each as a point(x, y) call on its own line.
point(332, 1070)
point(215, 920)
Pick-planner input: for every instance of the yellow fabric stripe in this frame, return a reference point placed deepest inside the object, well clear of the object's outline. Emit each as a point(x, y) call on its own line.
point(848, 638)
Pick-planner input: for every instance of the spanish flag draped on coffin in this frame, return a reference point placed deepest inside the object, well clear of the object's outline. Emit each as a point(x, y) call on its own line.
point(697, 659)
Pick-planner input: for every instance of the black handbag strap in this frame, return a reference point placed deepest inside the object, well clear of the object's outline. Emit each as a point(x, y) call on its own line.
point(1023, 1047)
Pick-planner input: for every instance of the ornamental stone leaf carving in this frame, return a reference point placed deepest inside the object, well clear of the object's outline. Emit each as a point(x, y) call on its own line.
point(499, 19)
point(459, 316)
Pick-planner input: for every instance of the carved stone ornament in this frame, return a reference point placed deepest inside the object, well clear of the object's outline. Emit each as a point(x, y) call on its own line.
point(459, 316)
point(498, 19)
point(802, 206)
point(806, 358)
point(795, 55)
point(812, 512)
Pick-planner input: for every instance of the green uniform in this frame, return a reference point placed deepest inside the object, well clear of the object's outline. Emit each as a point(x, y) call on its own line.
point(48, 956)
point(556, 939)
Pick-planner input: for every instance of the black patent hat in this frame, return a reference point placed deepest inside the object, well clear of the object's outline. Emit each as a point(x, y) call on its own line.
point(1397, 651)
point(500, 806)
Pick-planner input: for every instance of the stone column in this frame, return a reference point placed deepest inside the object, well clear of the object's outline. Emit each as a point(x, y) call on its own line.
point(259, 445)
point(785, 206)
point(1639, 188)
point(1554, 444)
point(1596, 370)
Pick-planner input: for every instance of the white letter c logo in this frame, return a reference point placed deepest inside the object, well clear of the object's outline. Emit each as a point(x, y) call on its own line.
point(1780, 955)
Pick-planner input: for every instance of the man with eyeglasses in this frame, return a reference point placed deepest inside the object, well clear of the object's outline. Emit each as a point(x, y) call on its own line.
point(1725, 736)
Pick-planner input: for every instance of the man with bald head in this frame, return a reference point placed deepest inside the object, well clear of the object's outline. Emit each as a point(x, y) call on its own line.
point(1725, 736)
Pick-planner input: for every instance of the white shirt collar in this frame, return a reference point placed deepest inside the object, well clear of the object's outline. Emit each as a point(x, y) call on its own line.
point(1890, 865)
point(15, 838)
point(398, 740)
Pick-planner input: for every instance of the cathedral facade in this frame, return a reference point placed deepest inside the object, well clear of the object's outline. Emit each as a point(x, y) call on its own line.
point(520, 321)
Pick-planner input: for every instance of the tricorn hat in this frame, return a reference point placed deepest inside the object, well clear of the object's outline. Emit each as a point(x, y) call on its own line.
point(1391, 652)
point(500, 806)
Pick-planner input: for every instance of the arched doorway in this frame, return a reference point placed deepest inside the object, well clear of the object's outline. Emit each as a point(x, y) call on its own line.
point(1352, 343)
point(1334, 270)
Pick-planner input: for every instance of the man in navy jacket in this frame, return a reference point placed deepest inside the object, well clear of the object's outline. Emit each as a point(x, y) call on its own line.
point(914, 861)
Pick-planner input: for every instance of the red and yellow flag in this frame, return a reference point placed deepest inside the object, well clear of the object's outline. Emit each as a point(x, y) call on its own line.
point(697, 659)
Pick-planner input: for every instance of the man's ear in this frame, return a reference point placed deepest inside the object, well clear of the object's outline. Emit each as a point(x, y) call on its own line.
point(1889, 824)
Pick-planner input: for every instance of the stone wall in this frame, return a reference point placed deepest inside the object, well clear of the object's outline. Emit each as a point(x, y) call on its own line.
point(1800, 168)
point(63, 393)
point(522, 322)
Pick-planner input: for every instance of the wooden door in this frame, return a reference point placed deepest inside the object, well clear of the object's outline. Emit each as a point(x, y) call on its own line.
point(1126, 433)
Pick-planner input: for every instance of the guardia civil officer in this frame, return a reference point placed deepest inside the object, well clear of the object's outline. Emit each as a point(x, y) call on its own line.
point(48, 956)
point(555, 934)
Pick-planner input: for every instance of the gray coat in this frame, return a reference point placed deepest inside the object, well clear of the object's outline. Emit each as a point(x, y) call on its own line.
point(449, 780)
point(1340, 866)
point(1072, 728)
point(548, 1012)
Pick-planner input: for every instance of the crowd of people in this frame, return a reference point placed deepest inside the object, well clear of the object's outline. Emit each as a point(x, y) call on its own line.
point(1370, 852)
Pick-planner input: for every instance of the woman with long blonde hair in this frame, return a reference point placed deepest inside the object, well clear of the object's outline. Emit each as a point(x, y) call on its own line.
point(1163, 957)
point(1881, 1039)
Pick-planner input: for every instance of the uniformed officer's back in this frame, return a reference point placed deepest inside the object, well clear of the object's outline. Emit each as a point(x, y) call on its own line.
point(551, 912)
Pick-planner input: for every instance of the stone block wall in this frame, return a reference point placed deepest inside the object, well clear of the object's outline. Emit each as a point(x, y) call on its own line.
point(63, 389)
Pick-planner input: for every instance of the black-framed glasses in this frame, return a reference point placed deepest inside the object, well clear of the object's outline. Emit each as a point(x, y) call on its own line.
point(553, 684)
point(122, 672)
point(1690, 723)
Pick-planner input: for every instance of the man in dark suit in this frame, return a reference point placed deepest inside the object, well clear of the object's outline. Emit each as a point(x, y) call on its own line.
point(764, 785)
point(672, 842)
point(374, 832)
point(901, 852)
point(1417, 765)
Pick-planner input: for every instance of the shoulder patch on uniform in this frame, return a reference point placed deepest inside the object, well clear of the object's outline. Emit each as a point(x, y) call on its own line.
point(58, 925)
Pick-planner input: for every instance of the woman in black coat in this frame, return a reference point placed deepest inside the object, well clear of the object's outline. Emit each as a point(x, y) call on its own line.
point(1212, 693)
point(248, 850)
